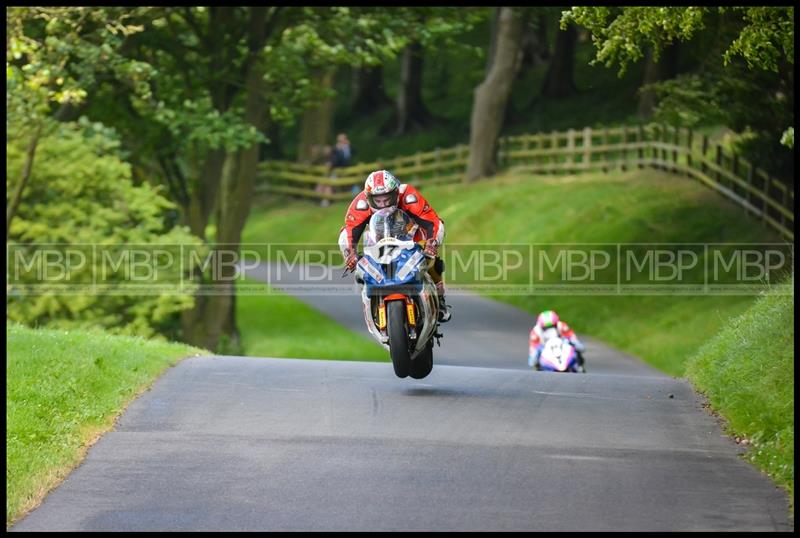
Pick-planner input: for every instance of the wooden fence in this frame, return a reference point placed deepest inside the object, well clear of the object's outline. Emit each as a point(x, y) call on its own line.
point(662, 147)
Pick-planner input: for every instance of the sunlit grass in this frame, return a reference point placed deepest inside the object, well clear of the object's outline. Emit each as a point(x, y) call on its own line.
point(276, 325)
point(63, 390)
point(747, 372)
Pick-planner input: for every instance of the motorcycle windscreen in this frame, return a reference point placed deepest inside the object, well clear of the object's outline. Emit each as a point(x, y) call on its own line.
point(557, 353)
point(390, 222)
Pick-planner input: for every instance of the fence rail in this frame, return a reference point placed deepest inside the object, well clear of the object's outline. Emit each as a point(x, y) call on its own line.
point(664, 147)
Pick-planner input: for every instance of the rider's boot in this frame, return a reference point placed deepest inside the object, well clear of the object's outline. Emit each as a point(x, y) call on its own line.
point(444, 309)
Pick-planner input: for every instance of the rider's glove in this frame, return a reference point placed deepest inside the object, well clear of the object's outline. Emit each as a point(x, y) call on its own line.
point(431, 248)
point(351, 260)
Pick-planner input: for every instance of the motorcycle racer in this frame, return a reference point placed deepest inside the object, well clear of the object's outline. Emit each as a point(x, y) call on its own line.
point(546, 320)
point(381, 190)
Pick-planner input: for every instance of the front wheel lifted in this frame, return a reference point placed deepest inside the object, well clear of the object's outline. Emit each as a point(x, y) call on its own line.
point(398, 338)
point(422, 365)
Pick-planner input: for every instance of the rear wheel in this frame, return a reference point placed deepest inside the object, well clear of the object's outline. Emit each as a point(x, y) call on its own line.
point(398, 338)
point(422, 365)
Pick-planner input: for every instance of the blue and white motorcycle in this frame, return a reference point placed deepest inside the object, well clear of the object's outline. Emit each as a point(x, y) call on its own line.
point(398, 295)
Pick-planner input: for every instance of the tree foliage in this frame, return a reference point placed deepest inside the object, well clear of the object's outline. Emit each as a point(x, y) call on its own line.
point(745, 76)
point(621, 34)
point(54, 55)
point(189, 90)
point(82, 196)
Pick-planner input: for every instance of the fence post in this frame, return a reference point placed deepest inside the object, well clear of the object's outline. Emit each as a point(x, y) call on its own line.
point(605, 154)
point(689, 142)
point(624, 147)
point(463, 155)
point(662, 135)
point(553, 147)
point(676, 141)
point(703, 167)
point(717, 175)
point(570, 156)
point(587, 144)
point(784, 204)
point(498, 151)
point(765, 191)
point(656, 153)
point(750, 183)
point(641, 145)
point(526, 145)
point(541, 159)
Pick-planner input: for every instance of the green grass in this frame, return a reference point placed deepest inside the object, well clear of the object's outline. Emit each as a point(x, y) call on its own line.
point(747, 372)
point(276, 325)
point(63, 390)
point(636, 206)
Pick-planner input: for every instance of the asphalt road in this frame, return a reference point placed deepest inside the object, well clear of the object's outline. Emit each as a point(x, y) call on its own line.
point(482, 332)
point(482, 444)
point(246, 444)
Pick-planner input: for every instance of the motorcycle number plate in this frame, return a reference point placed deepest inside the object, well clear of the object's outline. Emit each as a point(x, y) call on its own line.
point(368, 267)
point(409, 265)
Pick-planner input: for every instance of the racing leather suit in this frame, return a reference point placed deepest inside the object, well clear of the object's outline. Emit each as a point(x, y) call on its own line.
point(410, 201)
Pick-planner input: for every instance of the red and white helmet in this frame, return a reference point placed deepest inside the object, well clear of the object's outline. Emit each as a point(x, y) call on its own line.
point(382, 189)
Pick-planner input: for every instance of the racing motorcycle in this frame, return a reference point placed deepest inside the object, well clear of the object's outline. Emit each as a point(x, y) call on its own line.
point(401, 307)
point(558, 355)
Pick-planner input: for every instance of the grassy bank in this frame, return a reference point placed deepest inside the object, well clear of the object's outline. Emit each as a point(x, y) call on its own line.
point(747, 372)
point(63, 390)
point(273, 324)
point(640, 206)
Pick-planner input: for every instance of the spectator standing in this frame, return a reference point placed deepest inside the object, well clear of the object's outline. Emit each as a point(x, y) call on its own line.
point(341, 156)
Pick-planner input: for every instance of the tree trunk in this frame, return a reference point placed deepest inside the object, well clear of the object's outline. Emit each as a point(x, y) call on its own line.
point(411, 111)
point(665, 69)
point(236, 195)
point(213, 314)
point(273, 149)
point(559, 81)
point(668, 65)
point(541, 36)
point(203, 198)
point(16, 196)
point(61, 114)
point(317, 122)
point(491, 97)
point(493, 31)
point(534, 44)
point(370, 96)
point(647, 98)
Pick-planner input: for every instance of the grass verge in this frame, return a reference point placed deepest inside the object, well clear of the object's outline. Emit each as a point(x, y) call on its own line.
point(273, 324)
point(63, 390)
point(747, 373)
